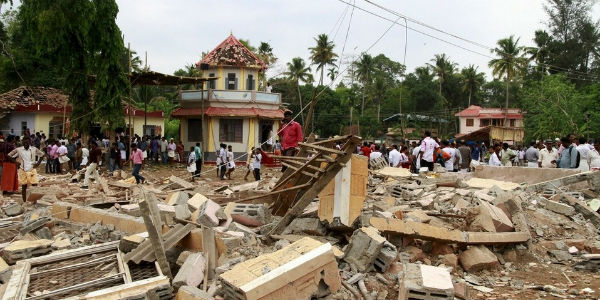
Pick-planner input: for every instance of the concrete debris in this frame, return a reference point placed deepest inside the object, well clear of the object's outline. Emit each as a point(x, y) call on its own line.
point(304, 269)
point(328, 221)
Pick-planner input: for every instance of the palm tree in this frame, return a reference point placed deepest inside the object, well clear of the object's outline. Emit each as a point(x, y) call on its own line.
point(364, 69)
point(510, 63)
point(539, 54)
point(298, 71)
point(322, 54)
point(332, 73)
point(442, 67)
point(379, 90)
point(265, 53)
point(471, 80)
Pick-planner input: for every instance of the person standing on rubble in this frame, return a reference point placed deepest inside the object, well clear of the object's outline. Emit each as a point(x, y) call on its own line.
point(94, 159)
point(583, 148)
point(494, 161)
point(532, 155)
point(506, 155)
point(428, 146)
point(290, 135)
point(569, 158)
point(137, 157)
point(24, 157)
point(448, 156)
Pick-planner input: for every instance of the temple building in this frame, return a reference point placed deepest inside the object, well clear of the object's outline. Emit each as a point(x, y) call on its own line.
point(230, 109)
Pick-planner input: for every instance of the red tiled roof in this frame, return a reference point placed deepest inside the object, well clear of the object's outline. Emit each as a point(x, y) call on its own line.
point(231, 52)
point(231, 112)
point(489, 113)
point(471, 111)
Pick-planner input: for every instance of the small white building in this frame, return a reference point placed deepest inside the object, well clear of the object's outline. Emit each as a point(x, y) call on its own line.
point(476, 117)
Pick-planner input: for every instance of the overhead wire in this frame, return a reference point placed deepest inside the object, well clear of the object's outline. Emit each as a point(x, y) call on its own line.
point(468, 40)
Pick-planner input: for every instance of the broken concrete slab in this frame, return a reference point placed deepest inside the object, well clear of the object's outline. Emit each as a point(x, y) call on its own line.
point(187, 292)
point(303, 269)
point(183, 183)
point(435, 233)
point(580, 207)
point(478, 258)
point(489, 218)
point(191, 272)
point(207, 214)
point(559, 208)
point(12, 209)
point(363, 249)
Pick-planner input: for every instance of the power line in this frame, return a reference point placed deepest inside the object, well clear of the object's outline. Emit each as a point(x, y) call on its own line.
point(467, 40)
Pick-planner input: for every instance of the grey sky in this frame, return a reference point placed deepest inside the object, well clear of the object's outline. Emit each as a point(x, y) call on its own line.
point(176, 32)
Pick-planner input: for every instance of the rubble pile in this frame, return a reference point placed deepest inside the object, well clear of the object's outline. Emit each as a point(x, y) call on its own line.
point(328, 227)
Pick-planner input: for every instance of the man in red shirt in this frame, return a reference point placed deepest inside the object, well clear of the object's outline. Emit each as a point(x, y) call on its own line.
point(290, 135)
point(366, 149)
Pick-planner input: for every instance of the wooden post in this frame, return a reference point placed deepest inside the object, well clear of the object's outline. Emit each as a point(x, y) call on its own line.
point(210, 250)
point(151, 217)
point(310, 112)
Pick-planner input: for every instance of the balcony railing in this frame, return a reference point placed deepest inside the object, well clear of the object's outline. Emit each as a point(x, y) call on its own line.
point(230, 96)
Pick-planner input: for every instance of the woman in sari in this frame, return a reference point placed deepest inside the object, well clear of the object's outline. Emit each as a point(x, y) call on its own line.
point(10, 180)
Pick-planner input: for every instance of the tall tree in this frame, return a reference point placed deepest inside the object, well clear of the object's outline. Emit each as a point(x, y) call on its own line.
point(540, 53)
point(471, 80)
point(298, 71)
point(265, 53)
point(364, 70)
point(443, 68)
point(112, 84)
point(322, 54)
point(510, 63)
point(332, 73)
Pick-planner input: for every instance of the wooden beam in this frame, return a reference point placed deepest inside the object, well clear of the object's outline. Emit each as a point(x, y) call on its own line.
point(150, 215)
point(274, 192)
point(209, 247)
point(281, 182)
point(293, 167)
point(321, 148)
point(80, 286)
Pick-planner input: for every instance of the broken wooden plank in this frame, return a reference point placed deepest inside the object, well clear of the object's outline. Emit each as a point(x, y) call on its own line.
point(151, 218)
point(209, 247)
point(282, 181)
point(273, 193)
point(322, 149)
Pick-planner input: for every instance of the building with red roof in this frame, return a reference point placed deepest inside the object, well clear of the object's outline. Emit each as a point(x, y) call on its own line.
point(230, 109)
point(47, 110)
point(476, 117)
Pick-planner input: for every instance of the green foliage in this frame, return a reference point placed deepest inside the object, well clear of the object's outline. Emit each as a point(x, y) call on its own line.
point(554, 108)
point(322, 54)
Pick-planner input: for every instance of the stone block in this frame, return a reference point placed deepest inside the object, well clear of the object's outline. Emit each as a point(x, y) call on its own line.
point(191, 272)
point(131, 242)
point(312, 226)
point(60, 244)
point(256, 212)
point(12, 209)
point(241, 228)
point(386, 257)
point(34, 224)
point(560, 208)
point(196, 201)
point(487, 217)
point(23, 249)
point(44, 233)
point(207, 214)
point(478, 258)
point(364, 247)
point(449, 260)
point(187, 292)
point(177, 198)
point(425, 282)
point(182, 212)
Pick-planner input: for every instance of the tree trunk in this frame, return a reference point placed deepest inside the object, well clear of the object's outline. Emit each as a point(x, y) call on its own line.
point(470, 91)
point(506, 104)
point(300, 101)
point(321, 79)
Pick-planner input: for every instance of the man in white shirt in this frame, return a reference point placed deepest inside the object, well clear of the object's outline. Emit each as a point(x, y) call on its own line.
point(584, 150)
point(62, 156)
point(547, 156)
point(449, 156)
point(375, 154)
point(25, 159)
point(222, 160)
point(428, 146)
point(494, 161)
point(394, 156)
point(416, 156)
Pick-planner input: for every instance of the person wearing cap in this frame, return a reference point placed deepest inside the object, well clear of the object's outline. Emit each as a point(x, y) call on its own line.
point(548, 156)
point(290, 133)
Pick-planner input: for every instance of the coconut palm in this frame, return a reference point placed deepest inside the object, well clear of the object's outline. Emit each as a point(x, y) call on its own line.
point(322, 54)
point(539, 54)
point(332, 73)
point(510, 63)
point(265, 53)
point(471, 80)
point(442, 67)
point(298, 71)
point(364, 69)
point(379, 91)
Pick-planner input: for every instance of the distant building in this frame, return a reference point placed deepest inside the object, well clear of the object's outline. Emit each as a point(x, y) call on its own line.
point(47, 110)
point(476, 117)
point(230, 109)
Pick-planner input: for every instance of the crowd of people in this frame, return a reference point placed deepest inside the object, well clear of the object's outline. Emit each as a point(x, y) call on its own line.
point(461, 156)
